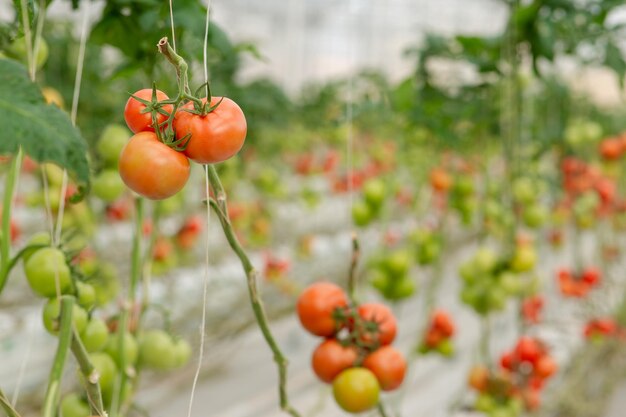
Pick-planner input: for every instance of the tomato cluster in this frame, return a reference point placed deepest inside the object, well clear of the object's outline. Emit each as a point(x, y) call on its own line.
point(519, 381)
point(389, 274)
point(356, 355)
point(599, 329)
point(369, 206)
point(578, 285)
point(438, 336)
point(532, 307)
point(158, 168)
point(490, 279)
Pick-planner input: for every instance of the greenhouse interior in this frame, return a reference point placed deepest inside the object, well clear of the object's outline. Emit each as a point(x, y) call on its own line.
point(313, 208)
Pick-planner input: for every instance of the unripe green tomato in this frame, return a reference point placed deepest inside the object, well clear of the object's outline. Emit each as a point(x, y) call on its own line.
point(51, 312)
point(398, 263)
point(107, 284)
point(157, 351)
point(173, 204)
point(44, 268)
point(463, 186)
point(19, 47)
point(362, 214)
point(446, 348)
point(112, 140)
point(106, 368)
point(501, 411)
point(54, 174)
point(73, 406)
point(524, 190)
point(356, 390)
point(108, 185)
point(485, 403)
point(39, 238)
point(485, 260)
point(468, 272)
point(511, 283)
point(182, 350)
point(400, 289)
point(86, 295)
point(131, 349)
point(524, 259)
point(374, 192)
point(95, 335)
point(535, 216)
point(496, 298)
point(379, 279)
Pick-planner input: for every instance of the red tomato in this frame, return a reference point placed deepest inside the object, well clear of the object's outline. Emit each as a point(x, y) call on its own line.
point(384, 318)
point(507, 361)
point(440, 180)
point(330, 358)
point(528, 350)
point(441, 320)
point(138, 121)
point(151, 168)
point(591, 276)
point(545, 367)
point(216, 136)
point(389, 366)
point(532, 308)
point(433, 338)
point(316, 306)
point(611, 148)
point(479, 378)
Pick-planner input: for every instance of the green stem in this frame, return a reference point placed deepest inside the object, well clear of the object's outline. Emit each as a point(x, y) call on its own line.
point(51, 399)
point(221, 209)
point(7, 203)
point(126, 370)
point(352, 278)
point(7, 406)
point(92, 386)
point(381, 410)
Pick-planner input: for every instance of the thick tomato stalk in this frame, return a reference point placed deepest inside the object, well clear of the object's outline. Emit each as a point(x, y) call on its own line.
point(152, 169)
point(215, 136)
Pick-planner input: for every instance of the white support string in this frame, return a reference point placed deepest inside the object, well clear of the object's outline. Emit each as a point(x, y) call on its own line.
point(205, 285)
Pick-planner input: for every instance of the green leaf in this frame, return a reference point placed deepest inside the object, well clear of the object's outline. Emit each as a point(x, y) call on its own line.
point(614, 59)
point(44, 131)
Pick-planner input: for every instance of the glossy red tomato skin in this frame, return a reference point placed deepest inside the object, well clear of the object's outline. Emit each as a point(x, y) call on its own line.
point(142, 122)
point(330, 358)
point(389, 366)
point(528, 350)
point(216, 136)
point(546, 367)
point(383, 316)
point(316, 306)
point(151, 168)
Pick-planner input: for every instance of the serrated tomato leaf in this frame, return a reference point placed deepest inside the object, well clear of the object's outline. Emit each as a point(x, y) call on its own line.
point(44, 131)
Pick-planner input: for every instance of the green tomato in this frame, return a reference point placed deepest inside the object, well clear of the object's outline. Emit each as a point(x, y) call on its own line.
point(182, 350)
point(19, 47)
point(73, 406)
point(44, 268)
point(95, 335)
point(362, 214)
point(112, 140)
point(496, 298)
point(51, 312)
point(108, 185)
point(39, 238)
point(379, 279)
point(511, 283)
point(374, 192)
point(524, 259)
point(398, 263)
point(356, 390)
point(485, 403)
point(86, 295)
point(106, 283)
point(157, 351)
point(524, 190)
point(106, 368)
point(428, 252)
point(535, 216)
point(400, 289)
point(485, 260)
point(446, 348)
point(54, 173)
point(463, 186)
point(131, 349)
point(468, 272)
